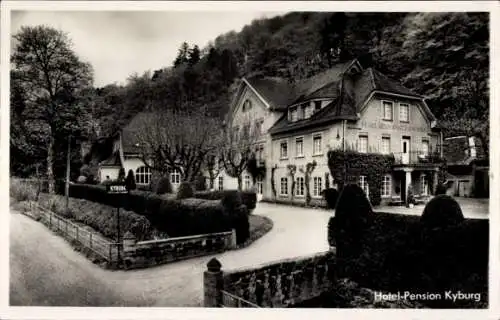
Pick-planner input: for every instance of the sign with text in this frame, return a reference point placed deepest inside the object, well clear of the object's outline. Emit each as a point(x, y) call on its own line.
point(117, 189)
point(392, 126)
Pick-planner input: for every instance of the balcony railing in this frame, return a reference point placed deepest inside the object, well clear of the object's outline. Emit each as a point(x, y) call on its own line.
point(417, 157)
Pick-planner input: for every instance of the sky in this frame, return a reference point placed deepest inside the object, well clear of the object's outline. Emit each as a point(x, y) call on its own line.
point(119, 44)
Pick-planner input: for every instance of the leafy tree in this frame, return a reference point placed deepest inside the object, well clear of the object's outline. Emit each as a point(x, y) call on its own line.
point(52, 77)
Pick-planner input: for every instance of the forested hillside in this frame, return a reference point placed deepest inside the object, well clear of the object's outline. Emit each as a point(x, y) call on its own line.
point(442, 56)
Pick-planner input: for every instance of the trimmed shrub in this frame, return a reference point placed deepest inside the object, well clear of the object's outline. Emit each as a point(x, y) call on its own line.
point(121, 174)
point(241, 224)
point(163, 186)
point(200, 183)
point(352, 216)
point(130, 181)
point(231, 200)
point(441, 189)
point(81, 179)
point(185, 190)
point(442, 211)
point(331, 196)
point(175, 217)
point(101, 218)
point(248, 198)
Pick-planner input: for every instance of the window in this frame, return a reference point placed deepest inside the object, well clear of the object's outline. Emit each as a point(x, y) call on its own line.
point(317, 106)
point(301, 112)
point(247, 105)
point(363, 144)
point(259, 152)
point(404, 112)
point(317, 144)
point(386, 145)
point(363, 183)
point(246, 131)
point(424, 186)
point(284, 186)
point(317, 187)
point(221, 183)
point(260, 185)
point(386, 186)
point(308, 111)
point(388, 110)
point(293, 114)
point(299, 147)
point(236, 133)
point(247, 182)
point(299, 188)
point(283, 150)
point(425, 148)
point(258, 127)
point(143, 175)
point(175, 176)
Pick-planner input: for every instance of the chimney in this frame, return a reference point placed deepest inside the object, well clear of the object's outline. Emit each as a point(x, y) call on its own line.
point(472, 147)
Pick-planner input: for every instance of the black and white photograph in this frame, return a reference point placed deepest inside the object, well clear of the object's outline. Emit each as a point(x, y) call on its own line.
point(249, 158)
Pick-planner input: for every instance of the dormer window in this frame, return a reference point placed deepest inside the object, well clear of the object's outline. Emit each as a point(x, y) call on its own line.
point(317, 106)
point(293, 114)
point(300, 112)
point(308, 111)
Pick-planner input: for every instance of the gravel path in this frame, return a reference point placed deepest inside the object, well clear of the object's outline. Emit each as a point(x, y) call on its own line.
point(46, 271)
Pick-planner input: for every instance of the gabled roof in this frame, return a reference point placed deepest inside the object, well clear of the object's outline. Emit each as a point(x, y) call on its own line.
point(349, 93)
point(129, 132)
point(112, 161)
point(277, 92)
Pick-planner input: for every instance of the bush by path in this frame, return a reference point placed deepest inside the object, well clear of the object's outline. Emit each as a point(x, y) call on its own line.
point(175, 217)
point(101, 218)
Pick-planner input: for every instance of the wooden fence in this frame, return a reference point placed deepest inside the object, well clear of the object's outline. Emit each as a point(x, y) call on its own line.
point(88, 239)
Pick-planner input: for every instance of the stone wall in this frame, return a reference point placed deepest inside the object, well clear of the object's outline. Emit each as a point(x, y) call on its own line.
point(154, 252)
point(277, 285)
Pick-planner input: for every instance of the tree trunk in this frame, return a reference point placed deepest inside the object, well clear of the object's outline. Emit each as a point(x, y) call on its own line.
point(239, 182)
point(50, 163)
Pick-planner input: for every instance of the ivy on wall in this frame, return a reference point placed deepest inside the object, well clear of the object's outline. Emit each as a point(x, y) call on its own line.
point(292, 170)
point(347, 166)
point(273, 182)
point(310, 166)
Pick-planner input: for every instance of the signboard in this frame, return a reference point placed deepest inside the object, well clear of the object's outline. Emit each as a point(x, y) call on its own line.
point(117, 189)
point(391, 126)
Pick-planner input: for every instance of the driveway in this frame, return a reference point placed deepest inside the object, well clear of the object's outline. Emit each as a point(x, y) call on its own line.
point(46, 271)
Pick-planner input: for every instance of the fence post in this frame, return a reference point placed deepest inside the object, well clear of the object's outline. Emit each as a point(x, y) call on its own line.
point(213, 284)
point(77, 228)
point(90, 240)
point(50, 219)
point(66, 226)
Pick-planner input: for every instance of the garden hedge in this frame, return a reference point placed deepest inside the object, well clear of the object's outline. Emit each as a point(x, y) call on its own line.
point(175, 217)
point(399, 253)
point(100, 217)
point(248, 198)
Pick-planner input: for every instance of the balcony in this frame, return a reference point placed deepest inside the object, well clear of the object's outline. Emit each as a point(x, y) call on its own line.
point(417, 158)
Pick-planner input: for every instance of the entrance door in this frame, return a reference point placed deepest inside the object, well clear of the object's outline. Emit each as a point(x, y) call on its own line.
point(463, 188)
point(405, 150)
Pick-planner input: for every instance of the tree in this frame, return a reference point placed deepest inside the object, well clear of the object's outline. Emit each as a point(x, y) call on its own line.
point(194, 55)
point(237, 149)
point(214, 167)
point(177, 140)
point(52, 76)
point(333, 36)
point(182, 55)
